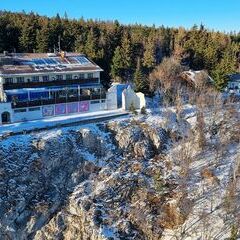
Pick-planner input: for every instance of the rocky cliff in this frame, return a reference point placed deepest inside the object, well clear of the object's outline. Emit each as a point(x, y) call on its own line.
point(116, 180)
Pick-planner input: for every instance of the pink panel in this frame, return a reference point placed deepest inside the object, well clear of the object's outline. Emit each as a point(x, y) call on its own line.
point(60, 109)
point(83, 106)
point(47, 111)
point(72, 107)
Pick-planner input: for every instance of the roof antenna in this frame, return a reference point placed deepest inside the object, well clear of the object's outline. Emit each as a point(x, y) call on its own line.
point(59, 43)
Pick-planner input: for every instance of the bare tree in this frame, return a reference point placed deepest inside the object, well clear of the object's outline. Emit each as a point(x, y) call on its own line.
point(166, 77)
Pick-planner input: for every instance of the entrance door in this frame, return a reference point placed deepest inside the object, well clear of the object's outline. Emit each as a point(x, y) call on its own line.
point(5, 117)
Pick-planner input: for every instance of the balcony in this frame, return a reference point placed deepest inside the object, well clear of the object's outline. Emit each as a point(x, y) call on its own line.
point(10, 86)
point(41, 102)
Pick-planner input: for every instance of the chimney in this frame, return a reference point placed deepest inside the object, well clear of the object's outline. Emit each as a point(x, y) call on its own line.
point(63, 54)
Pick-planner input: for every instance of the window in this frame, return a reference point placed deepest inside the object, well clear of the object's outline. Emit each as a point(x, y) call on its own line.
point(72, 93)
point(68, 76)
point(96, 91)
point(81, 75)
point(90, 75)
point(34, 109)
point(8, 80)
point(20, 110)
point(20, 79)
point(35, 78)
point(94, 102)
point(59, 77)
point(45, 78)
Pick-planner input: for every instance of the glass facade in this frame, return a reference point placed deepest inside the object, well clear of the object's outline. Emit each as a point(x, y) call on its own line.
point(8, 80)
point(20, 79)
point(59, 77)
point(35, 78)
point(45, 78)
point(68, 76)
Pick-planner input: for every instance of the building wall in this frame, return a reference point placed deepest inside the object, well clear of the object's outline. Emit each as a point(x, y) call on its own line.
point(233, 86)
point(129, 97)
point(1, 89)
point(51, 75)
point(114, 96)
point(26, 116)
point(52, 110)
point(5, 107)
point(111, 100)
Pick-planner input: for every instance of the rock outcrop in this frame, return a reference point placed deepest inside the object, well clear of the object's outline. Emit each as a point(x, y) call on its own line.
point(107, 181)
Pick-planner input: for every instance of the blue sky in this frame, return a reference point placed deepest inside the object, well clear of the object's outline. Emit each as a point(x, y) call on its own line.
point(223, 15)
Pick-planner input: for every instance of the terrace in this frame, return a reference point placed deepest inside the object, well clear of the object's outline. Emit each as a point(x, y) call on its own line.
point(41, 102)
point(52, 95)
point(10, 86)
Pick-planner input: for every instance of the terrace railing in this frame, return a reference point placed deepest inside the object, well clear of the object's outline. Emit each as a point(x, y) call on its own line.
point(41, 102)
point(10, 86)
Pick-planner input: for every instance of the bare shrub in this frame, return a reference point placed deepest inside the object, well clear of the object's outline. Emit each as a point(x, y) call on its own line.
point(201, 139)
point(230, 198)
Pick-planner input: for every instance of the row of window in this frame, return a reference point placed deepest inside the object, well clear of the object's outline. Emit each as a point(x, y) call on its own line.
point(38, 108)
point(24, 110)
point(47, 78)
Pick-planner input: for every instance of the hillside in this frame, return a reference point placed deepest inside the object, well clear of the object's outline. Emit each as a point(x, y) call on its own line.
point(117, 48)
point(164, 175)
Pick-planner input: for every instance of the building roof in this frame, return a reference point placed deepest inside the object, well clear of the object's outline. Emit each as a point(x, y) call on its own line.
point(192, 76)
point(234, 77)
point(35, 63)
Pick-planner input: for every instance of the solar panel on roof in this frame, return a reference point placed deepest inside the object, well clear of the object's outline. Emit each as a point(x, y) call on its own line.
point(82, 60)
point(59, 61)
point(26, 62)
point(50, 61)
point(38, 61)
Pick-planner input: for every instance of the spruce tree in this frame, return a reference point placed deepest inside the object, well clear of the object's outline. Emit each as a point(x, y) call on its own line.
point(28, 35)
point(117, 65)
point(140, 82)
point(91, 47)
point(149, 53)
point(43, 38)
point(226, 66)
point(126, 51)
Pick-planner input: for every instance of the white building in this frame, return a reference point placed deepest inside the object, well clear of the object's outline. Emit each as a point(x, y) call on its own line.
point(233, 83)
point(40, 85)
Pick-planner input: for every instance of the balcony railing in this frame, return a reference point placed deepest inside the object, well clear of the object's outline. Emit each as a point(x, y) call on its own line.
point(10, 86)
point(41, 102)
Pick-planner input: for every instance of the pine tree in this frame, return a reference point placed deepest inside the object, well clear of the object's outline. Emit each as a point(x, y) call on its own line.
point(117, 65)
point(140, 81)
point(226, 66)
point(126, 51)
point(80, 42)
point(43, 38)
point(91, 47)
point(56, 30)
point(28, 35)
point(149, 53)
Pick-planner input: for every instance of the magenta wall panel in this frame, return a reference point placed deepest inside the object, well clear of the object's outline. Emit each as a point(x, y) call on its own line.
point(72, 107)
point(60, 109)
point(47, 111)
point(83, 106)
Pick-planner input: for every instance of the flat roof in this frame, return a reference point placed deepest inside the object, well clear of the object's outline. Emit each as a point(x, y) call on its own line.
point(40, 63)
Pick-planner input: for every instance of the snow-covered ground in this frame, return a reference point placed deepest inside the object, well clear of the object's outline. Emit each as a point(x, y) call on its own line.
point(119, 152)
point(60, 120)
